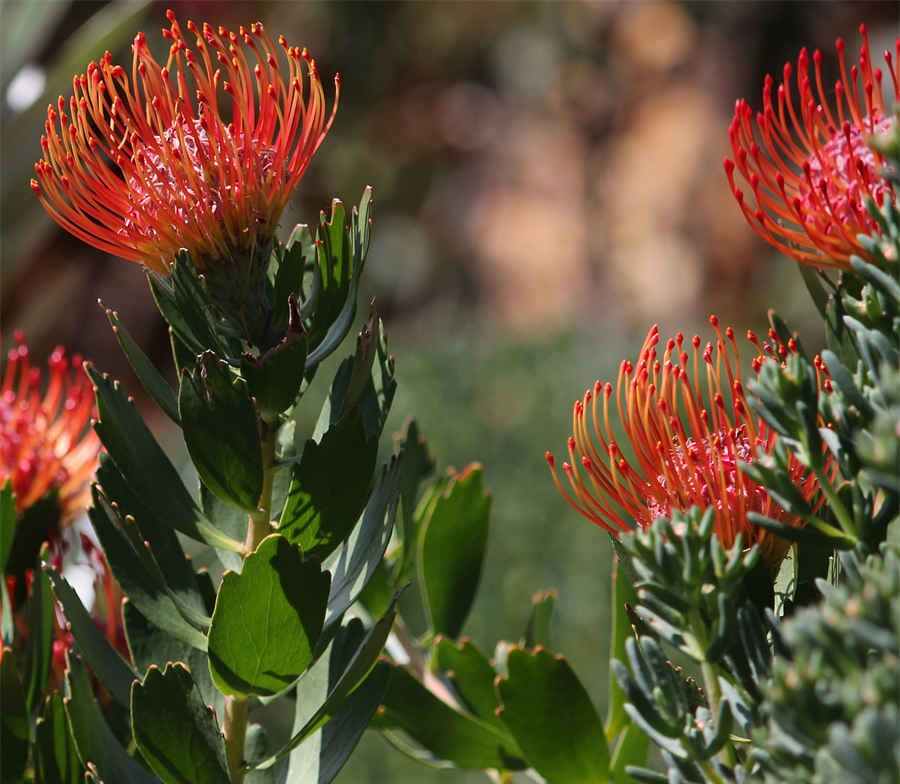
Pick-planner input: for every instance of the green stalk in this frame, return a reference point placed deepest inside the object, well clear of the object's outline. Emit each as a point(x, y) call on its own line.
point(258, 527)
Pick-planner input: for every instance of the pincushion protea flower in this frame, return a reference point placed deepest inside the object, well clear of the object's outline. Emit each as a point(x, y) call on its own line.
point(807, 162)
point(144, 164)
point(46, 442)
point(686, 447)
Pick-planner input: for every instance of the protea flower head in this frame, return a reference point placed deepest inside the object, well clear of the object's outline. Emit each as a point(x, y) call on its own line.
point(46, 442)
point(143, 163)
point(687, 423)
point(807, 161)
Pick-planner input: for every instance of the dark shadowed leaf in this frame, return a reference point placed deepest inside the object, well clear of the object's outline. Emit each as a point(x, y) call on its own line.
point(221, 431)
point(176, 733)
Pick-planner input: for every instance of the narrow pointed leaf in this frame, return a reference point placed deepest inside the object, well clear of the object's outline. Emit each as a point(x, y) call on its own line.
point(145, 466)
point(151, 379)
point(109, 667)
point(97, 745)
point(56, 758)
point(13, 721)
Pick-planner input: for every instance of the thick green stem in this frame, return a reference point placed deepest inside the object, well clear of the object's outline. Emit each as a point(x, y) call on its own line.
point(258, 527)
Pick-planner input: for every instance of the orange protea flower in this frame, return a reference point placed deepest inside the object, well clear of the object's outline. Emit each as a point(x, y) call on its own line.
point(145, 164)
point(46, 442)
point(686, 447)
point(808, 164)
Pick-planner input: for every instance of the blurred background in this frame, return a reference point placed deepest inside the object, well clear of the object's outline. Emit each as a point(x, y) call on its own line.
point(549, 184)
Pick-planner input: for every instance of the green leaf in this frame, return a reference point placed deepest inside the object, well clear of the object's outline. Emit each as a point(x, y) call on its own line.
point(222, 432)
point(329, 487)
point(274, 378)
point(320, 758)
point(149, 473)
point(95, 741)
point(56, 758)
point(267, 620)
point(416, 465)
point(447, 734)
point(109, 667)
point(150, 646)
point(185, 305)
point(322, 753)
point(341, 253)
point(343, 666)
point(41, 616)
point(537, 632)
point(7, 523)
point(151, 379)
point(141, 579)
point(354, 563)
point(174, 730)
point(631, 749)
point(168, 557)
point(473, 678)
point(452, 543)
point(37, 524)
point(623, 596)
point(551, 716)
point(14, 729)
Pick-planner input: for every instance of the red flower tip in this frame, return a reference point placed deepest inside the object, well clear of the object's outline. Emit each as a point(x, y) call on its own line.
point(169, 169)
point(687, 439)
point(551, 460)
point(816, 154)
point(45, 438)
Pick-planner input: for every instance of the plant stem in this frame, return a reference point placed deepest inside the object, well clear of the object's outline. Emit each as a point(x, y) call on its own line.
point(258, 527)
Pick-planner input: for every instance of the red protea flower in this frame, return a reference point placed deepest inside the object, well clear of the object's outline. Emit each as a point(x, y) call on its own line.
point(46, 442)
point(807, 162)
point(686, 447)
point(146, 163)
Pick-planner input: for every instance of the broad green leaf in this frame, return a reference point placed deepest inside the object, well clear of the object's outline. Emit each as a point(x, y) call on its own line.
point(355, 561)
point(41, 616)
point(446, 734)
point(96, 744)
point(141, 579)
point(267, 620)
point(151, 379)
point(109, 667)
point(221, 431)
point(329, 487)
point(148, 471)
point(452, 542)
point(551, 716)
point(13, 720)
point(343, 666)
point(176, 733)
point(56, 758)
point(473, 678)
point(7, 523)
point(537, 632)
point(152, 646)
